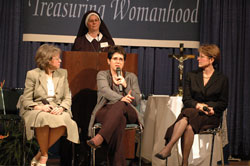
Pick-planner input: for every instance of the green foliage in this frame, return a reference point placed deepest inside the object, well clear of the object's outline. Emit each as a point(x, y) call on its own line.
point(15, 146)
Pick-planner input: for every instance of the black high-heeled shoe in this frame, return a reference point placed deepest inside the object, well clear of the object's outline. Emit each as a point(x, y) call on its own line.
point(92, 144)
point(159, 156)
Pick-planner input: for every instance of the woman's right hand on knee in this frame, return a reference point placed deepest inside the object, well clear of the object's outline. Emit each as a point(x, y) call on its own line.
point(45, 108)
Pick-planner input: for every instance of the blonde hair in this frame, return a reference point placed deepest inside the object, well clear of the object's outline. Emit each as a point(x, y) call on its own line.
point(44, 54)
point(210, 50)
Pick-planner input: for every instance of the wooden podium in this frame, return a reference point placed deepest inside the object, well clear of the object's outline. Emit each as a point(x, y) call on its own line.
point(83, 67)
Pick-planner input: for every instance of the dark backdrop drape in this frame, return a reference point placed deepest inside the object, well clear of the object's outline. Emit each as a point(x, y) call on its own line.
point(227, 23)
point(224, 22)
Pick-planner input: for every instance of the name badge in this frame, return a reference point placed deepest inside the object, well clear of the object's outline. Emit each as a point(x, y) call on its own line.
point(104, 44)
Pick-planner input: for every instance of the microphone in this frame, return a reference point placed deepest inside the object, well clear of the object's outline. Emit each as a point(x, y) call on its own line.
point(98, 39)
point(99, 44)
point(44, 101)
point(118, 72)
point(205, 108)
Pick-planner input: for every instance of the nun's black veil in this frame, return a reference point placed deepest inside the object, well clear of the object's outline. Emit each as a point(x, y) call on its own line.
point(83, 29)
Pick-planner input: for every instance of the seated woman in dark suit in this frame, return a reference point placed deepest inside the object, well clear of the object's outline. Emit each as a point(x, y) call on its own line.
point(45, 103)
point(93, 34)
point(205, 98)
point(117, 97)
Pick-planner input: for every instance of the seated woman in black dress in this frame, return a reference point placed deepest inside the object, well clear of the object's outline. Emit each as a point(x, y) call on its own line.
point(93, 34)
point(204, 89)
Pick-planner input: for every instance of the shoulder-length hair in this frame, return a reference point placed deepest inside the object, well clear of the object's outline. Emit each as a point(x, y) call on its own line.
point(44, 54)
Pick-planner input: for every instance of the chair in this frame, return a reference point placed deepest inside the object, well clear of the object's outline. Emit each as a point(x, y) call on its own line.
point(138, 128)
point(2, 104)
point(8, 100)
point(213, 132)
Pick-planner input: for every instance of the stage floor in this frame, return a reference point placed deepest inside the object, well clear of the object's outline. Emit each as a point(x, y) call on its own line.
point(56, 162)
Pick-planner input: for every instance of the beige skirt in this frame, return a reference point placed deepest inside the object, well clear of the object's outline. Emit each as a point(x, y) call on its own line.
point(37, 118)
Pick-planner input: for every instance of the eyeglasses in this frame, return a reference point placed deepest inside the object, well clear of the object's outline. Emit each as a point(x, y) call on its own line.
point(117, 59)
point(56, 58)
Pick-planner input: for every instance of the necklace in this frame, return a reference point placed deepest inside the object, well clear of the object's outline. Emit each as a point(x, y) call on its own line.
point(207, 76)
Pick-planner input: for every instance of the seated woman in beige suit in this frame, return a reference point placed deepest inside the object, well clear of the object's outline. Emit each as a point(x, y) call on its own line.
point(45, 104)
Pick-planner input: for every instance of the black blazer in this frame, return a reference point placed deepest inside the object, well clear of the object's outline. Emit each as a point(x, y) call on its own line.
point(214, 94)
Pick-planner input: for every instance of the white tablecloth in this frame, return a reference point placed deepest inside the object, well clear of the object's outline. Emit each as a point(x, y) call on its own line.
point(161, 112)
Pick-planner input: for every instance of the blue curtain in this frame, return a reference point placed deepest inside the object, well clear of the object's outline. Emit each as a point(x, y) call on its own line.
point(157, 73)
point(224, 22)
point(227, 23)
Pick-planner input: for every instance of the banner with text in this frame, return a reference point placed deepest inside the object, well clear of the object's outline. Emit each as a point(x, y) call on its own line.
point(153, 23)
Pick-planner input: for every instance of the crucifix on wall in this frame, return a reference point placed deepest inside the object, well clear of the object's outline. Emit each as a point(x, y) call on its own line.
point(181, 58)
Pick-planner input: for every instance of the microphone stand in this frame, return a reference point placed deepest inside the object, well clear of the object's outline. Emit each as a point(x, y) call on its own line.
point(98, 41)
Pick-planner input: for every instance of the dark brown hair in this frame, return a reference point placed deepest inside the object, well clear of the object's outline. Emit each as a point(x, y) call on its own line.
point(116, 49)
